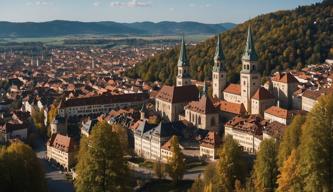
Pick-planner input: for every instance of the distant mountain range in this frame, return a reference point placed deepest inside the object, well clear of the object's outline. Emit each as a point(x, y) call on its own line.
point(61, 28)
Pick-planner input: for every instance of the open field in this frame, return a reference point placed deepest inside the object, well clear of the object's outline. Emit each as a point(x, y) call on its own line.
point(60, 40)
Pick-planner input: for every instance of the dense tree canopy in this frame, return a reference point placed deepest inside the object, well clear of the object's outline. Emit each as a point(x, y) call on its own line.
point(283, 40)
point(101, 165)
point(20, 169)
point(265, 168)
point(231, 165)
point(316, 148)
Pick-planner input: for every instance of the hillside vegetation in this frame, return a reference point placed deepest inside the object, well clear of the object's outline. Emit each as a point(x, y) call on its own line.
point(283, 40)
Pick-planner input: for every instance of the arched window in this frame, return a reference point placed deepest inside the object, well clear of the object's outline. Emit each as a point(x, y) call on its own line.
point(253, 67)
point(199, 120)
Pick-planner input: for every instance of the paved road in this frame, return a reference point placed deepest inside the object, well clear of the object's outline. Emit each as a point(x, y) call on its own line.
point(56, 181)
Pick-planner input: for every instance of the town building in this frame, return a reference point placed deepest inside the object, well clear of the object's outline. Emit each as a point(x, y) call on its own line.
point(171, 100)
point(102, 104)
point(209, 145)
point(60, 150)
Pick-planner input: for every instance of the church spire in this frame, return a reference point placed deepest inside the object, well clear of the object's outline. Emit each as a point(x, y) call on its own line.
point(182, 61)
point(219, 56)
point(250, 52)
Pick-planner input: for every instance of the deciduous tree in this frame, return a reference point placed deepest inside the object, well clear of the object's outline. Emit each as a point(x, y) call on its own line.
point(176, 164)
point(101, 165)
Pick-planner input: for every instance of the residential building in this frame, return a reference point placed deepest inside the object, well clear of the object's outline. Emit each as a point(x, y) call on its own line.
point(60, 149)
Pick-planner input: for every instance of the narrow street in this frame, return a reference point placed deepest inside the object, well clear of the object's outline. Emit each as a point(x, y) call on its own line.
point(56, 181)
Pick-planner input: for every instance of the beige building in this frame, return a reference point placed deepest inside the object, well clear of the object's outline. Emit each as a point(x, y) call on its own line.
point(232, 93)
point(247, 131)
point(209, 145)
point(261, 100)
point(284, 86)
point(60, 149)
point(202, 113)
point(99, 104)
point(170, 100)
point(311, 97)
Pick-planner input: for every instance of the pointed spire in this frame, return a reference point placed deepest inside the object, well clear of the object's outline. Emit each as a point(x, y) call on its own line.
point(182, 61)
point(219, 56)
point(250, 52)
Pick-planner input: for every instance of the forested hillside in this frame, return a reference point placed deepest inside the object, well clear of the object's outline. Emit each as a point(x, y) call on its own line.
point(283, 40)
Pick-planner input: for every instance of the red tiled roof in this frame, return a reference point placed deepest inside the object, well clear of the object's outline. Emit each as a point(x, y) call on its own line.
point(275, 129)
point(104, 99)
point(262, 94)
point(62, 142)
point(315, 94)
point(234, 108)
point(204, 105)
point(233, 89)
point(277, 111)
point(181, 94)
point(284, 78)
point(212, 140)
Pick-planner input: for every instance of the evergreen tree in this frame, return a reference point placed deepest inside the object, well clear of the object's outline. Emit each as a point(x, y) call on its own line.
point(316, 148)
point(101, 165)
point(122, 135)
point(176, 164)
point(289, 178)
point(20, 170)
point(265, 167)
point(291, 139)
point(230, 166)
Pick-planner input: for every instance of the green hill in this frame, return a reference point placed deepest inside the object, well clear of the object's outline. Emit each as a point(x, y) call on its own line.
point(283, 40)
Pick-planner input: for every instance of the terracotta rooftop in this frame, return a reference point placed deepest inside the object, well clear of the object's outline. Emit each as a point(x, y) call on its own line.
point(284, 78)
point(233, 89)
point(181, 94)
point(275, 129)
point(234, 108)
point(167, 145)
point(104, 99)
point(62, 142)
point(252, 124)
point(315, 94)
point(262, 94)
point(204, 105)
point(212, 140)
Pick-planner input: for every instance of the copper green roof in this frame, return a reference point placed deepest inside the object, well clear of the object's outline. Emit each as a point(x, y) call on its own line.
point(183, 61)
point(219, 56)
point(250, 52)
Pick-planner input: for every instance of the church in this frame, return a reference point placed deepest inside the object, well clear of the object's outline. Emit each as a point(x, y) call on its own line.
point(184, 102)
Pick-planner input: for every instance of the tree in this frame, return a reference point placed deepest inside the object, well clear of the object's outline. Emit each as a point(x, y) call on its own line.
point(52, 113)
point(159, 169)
point(20, 170)
point(291, 139)
point(101, 165)
point(316, 148)
point(122, 135)
point(265, 167)
point(231, 165)
point(289, 177)
point(197, 186)
point(38, 119)
point(176, 164)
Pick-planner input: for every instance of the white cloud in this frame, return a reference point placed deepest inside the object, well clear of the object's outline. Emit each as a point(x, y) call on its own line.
point(171, 9)
point(131, 3)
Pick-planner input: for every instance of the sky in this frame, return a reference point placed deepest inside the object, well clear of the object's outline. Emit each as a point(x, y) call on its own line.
point(206, 11)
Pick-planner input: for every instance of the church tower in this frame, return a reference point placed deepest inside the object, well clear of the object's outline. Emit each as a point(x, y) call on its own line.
point(250, 77)
point(219, 75)
point(183, 77)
